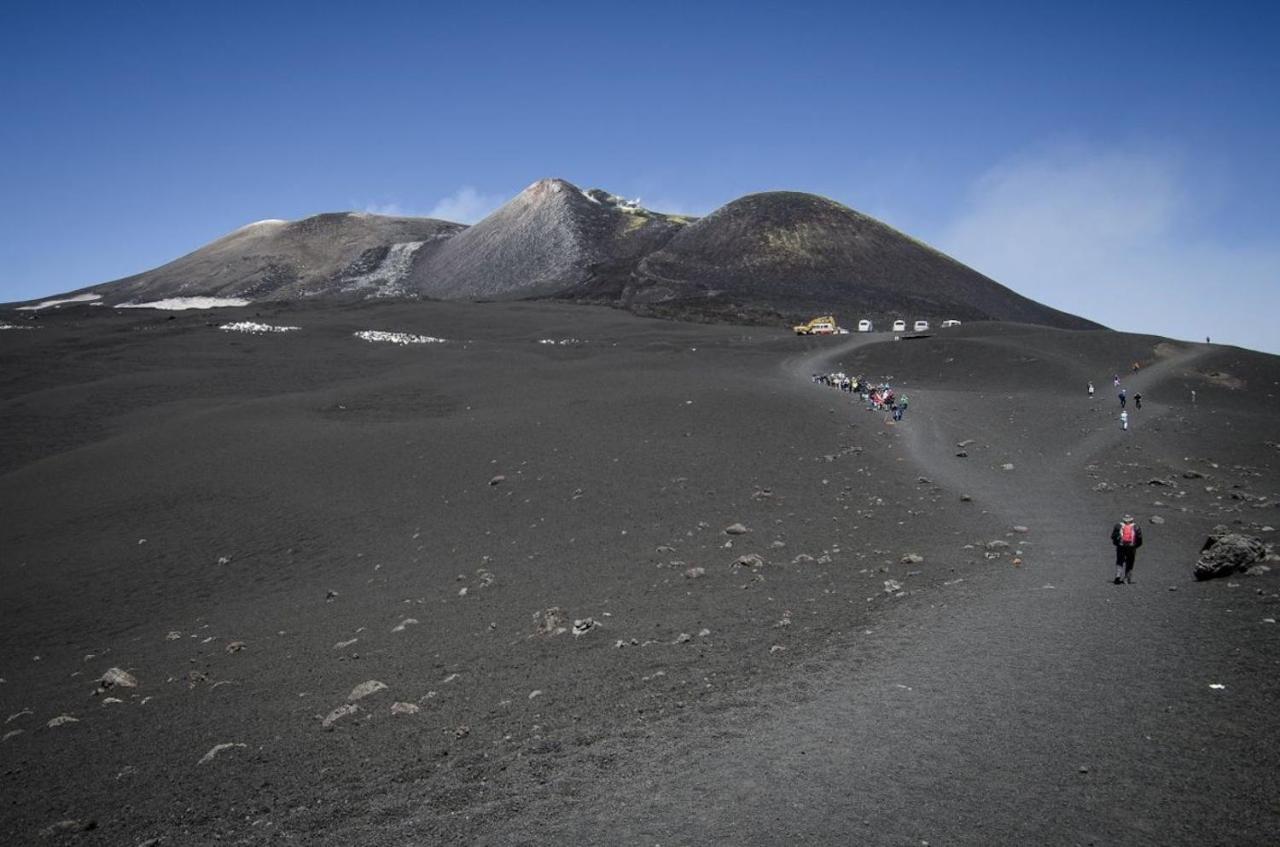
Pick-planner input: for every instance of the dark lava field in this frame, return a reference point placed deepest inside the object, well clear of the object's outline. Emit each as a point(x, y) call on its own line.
point(570, 575)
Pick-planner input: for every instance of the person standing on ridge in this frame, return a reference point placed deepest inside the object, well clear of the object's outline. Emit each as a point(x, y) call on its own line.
point(1137, 400)
point(1127, 538)
point(1124, 421)
point(1123, 397)
point(1091, 390)
point(902, 406)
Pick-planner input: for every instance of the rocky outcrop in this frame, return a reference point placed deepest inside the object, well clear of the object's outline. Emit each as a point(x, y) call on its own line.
point(1225, 553)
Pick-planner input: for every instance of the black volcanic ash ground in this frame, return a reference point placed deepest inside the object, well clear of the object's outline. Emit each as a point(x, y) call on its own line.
point(254, 527)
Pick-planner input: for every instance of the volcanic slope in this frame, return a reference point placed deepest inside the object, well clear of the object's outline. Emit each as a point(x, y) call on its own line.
point(527, 534)
point(548, 239)
point(339, 253)
point(802, 254)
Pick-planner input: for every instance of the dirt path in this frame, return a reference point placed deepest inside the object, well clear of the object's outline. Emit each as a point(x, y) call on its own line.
point(1045, 706)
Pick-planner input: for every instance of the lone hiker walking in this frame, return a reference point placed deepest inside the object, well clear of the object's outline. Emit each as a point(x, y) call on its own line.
point(1123, 397)
point(1137, 400)
point(1124, 421)
point(1091, 391)
point(1127, 538)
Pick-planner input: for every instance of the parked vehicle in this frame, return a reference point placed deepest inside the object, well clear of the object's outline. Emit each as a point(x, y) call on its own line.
point(922, 326)
point(821, 325)
point(899, 326)
point(950, 323)
point(864, 325)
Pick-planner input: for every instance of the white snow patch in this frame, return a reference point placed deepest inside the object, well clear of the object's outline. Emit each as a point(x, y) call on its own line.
point(396, 337)
point(177, 304)
point(256, 328)
point(560, 341)
point(14, 326)
point(267, 222)
point(79, 298)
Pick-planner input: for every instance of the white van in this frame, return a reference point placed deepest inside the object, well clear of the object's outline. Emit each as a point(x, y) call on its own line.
point(922, 326)
point(899, 326)
point(864, 325)
point(950, 323)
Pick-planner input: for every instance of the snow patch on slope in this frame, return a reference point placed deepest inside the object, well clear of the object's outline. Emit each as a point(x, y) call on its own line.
point(175, 304)
point(256, 328)
point(396, 337)
point(14, 326)
point(79, 298)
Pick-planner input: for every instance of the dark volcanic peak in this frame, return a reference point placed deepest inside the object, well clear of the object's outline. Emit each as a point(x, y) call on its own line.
point(331, 253)
point(544, 241)
point(762, 258)
point(799, 253)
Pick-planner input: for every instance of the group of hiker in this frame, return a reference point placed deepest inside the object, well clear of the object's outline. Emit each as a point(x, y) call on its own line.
point(1123, 396)
point(878, 397)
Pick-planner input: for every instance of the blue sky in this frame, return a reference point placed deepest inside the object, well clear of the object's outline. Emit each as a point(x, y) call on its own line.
point(1115, 160)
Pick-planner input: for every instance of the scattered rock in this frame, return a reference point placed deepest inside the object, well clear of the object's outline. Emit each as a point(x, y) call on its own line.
point(583, 626)
point(695, 573)
point(62, 720)
point(498, 480)
point(551, 621)
point(736, 529)
point(997, 545)
point(364, 689)
point(400, 627)
point(461, 731)
point(801, 559)
point(892, 586)
point(965, 443)
point(236, 646)
point(330, 596)
point(1007, 466)
point(750, 560)
point(912, 559)
point(1158, 481)
point(962, 454)
point(173, 635)
point(1157, 520)
point(1257, 570)
point(1226, 552)
point(1192, 475)
point(13, 733)
point(116, 677)
point(338, 714)
point(342, 645)
point(965, 498)
point(217, 749)
point(683, 638)
point(1021, 529)
point(399, 708)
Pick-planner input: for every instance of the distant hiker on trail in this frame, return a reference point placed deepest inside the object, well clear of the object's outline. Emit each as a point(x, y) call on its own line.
point(1122, 398)
point(1090, 390)
point(1193, 397)
point(896, 410)
point(902, 406)
point(1127, 538)
point(1115, 380)
point(1136, 365)
point(1124, 420)
point(1137, 400)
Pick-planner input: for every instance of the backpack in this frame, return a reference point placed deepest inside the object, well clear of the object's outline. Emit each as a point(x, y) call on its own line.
point(1126, 534)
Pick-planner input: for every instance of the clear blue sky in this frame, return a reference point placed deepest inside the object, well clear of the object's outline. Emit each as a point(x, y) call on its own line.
point(1116, 160)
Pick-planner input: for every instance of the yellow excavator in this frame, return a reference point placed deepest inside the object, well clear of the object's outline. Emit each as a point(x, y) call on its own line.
point(821, 325)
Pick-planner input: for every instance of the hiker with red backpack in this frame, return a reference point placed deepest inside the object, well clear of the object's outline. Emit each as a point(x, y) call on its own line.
point(1127, 538)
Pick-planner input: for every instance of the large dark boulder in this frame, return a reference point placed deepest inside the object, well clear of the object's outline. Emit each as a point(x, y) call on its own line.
point(1225, 552)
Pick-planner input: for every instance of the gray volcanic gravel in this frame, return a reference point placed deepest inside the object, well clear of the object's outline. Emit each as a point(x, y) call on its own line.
point(650, 585)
